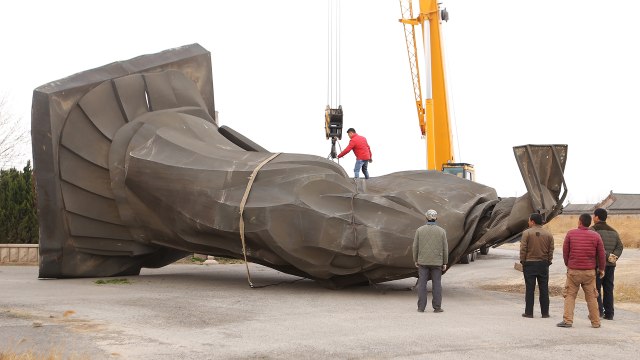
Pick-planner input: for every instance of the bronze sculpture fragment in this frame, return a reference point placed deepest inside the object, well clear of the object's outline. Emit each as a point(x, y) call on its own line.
point(133, 171)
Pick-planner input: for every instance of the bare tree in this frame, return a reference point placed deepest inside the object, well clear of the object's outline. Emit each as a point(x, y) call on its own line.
point(13, 137)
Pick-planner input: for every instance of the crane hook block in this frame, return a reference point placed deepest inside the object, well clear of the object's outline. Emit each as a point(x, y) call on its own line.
point(333, 122)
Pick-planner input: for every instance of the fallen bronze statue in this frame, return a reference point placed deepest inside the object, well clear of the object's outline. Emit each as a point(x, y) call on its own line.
point(133, 171)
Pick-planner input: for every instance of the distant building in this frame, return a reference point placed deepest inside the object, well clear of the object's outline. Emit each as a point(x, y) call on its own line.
point(614, 203)
point(621, 203)
point(577, 209)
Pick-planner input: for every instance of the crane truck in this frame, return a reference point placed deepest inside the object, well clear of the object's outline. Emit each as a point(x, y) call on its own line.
point(433, 107)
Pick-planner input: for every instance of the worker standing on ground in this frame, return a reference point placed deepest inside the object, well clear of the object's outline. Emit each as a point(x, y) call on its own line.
point(536, 254)
point(613, 248)
point(361, 150)
point(430, 254)
point(583, 252)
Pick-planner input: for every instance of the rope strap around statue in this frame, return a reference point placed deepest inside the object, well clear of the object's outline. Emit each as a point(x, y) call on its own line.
point(243, 203)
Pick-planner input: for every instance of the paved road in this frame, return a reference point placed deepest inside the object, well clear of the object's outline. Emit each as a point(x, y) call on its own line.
point(209, 312)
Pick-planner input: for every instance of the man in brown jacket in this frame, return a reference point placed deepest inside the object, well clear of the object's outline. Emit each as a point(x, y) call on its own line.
point(536, 254)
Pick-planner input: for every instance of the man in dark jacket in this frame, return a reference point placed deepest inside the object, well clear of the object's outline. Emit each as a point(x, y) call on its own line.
point(430, 254)
point(612, 246)
point(536, 254)
point(583, 253)
point(361, 150)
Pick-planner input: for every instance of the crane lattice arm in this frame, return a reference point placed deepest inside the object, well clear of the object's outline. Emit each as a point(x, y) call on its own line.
point(408, 22)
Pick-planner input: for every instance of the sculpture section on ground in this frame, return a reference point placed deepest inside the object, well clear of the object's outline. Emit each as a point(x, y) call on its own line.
point(133, 171)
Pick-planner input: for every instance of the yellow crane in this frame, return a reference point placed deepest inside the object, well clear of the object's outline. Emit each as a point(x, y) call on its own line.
point(433, 108)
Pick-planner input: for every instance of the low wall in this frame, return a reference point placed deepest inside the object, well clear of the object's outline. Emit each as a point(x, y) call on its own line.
point(18, 253)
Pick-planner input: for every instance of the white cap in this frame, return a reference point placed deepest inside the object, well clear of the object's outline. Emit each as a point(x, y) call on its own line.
point(431, 215)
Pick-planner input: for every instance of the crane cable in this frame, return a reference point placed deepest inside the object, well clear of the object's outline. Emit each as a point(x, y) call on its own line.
point(329, 156)
point(333, 54)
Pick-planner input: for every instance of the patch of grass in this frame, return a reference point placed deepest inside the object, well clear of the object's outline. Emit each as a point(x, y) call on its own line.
point(31, 355)
point(622, 293)
point(626, 293)
point(224, 261)
point(626, 225)
point(199, 260)
point(632, 243)
point(112, 281)
point(17, 315)
point(519, 288)
point(27, 355)
point(51, 354)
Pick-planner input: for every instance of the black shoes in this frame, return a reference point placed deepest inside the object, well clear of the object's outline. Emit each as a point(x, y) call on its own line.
point(608, 317)
point(434, 310)
point(564, 325)
point(438, 310)
point(525, 315)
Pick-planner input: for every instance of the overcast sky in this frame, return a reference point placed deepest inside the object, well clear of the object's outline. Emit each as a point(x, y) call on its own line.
point(519, 72)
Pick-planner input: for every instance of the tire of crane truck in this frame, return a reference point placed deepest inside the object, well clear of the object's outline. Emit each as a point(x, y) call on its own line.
point(465, 259)
point(484, 250)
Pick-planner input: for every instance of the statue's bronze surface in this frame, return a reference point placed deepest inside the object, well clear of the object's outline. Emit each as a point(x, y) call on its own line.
point(133, 171)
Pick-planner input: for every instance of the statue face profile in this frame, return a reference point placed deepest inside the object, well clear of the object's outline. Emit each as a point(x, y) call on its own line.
point(133, 171)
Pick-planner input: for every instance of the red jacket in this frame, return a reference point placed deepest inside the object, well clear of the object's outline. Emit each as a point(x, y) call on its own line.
point(360, 148)
point(582, 248)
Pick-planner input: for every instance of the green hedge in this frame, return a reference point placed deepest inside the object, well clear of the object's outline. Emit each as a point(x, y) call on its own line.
point(18, 215)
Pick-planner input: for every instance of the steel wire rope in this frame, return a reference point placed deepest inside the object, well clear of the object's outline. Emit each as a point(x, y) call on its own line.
point(339, 52)
point(329, 156)
point(329, 55)
point(333, 53)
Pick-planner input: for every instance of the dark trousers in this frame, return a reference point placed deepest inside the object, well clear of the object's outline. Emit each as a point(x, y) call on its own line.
point(536, 271)
point(424, 274)
point(605, 291)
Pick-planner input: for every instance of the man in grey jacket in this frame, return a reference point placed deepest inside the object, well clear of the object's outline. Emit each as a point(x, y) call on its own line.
point(430, 254)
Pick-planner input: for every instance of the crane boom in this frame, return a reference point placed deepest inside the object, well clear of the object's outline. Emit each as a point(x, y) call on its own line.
point(433, 111)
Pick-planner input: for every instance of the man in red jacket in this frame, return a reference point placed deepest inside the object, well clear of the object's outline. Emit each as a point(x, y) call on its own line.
point(583, 252)
point(362, 151)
